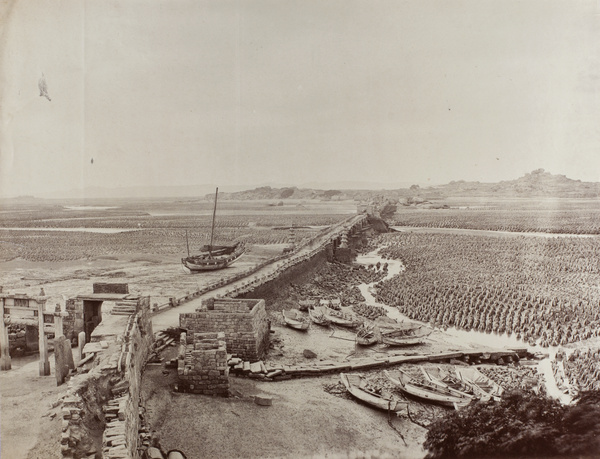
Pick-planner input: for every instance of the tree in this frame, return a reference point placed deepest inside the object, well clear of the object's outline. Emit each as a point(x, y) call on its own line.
point(522, 424)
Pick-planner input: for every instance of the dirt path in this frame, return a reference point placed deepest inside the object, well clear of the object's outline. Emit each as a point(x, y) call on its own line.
point(26, 401)
point(304, 421)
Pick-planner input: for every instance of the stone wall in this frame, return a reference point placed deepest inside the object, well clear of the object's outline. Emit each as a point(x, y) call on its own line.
point(243, 321)
point(102, 287)
point(73, 324)
point(271, 290)
point(202, 364)
point(106, 400)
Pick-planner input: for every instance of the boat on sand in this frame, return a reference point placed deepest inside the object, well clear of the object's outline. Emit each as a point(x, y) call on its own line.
point(358, 388)
point(480, 381)
point(317, 315)
point(294, 318)
point(212, 257)
point(428, 391)
point(342, 319)
point(365, 335)
point(449, 378)
point(404, 334)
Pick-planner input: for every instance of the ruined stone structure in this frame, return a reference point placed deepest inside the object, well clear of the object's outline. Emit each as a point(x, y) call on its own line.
point(243, 321)
point(106, 399)
point(202, 364)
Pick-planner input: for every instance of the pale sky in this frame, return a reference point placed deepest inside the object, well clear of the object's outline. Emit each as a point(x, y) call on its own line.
point(182, 92)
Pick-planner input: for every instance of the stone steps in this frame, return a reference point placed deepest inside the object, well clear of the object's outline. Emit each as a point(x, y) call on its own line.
point(123, 310)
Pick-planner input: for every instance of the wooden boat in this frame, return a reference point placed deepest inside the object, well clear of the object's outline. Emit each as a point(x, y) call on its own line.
point(451, 379)
point(356, 386)
point(429, 391)
point(294, 318)
point(406, 335)
point(213, 257)
point(480, 381)
point(341, 318)
point(365, 335)
point(317, 315)
point(176, 454)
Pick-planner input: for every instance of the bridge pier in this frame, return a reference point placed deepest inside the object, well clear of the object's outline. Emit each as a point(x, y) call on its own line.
point(5, 363)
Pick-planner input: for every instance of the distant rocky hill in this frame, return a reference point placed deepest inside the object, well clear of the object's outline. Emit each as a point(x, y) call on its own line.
point(538, 183)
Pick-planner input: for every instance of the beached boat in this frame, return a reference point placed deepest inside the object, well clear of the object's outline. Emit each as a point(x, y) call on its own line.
point(317, 315)
point(356, 386)
point(341, 318)
point(429, 391)
point(481, 381)
point(365, 335)
point(449, 378)
point(294, 318)
point(213, 257)
point(405, 335)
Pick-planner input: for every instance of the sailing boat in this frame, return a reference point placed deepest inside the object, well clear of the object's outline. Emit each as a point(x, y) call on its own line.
point(213, 257)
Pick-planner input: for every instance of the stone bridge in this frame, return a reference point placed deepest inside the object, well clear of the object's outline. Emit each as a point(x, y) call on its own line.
point(335, 236)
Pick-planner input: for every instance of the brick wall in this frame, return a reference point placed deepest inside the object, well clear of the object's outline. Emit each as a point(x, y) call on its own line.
point(244, 323)
point(202, 364)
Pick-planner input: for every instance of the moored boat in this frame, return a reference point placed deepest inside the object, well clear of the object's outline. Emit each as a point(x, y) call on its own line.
point(294, 318)
point(449, 378)
point(405, 335)
point(342, 319)
point(213, 257)
point(429, 391)
point(481, 381)
point(357, 387)
point(317, 315)
point(365, 335)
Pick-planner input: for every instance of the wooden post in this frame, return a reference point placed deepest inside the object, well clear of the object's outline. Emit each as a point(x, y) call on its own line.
point(4, 345)
point(44, 362)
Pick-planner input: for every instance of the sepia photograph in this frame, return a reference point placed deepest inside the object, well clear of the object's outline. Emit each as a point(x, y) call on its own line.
point(335, 229)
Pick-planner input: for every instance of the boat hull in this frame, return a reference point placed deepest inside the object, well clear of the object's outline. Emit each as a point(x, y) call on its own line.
point(204, 263)
point(318, 317)
point(352, 386)
point(365, 336)
point(366, 341)
point(485, 384)
point(341, 319)
point(408, 337)
point(294, 320)
point(428, 394)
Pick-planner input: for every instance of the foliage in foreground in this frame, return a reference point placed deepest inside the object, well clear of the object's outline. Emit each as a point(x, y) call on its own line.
point(521, 425)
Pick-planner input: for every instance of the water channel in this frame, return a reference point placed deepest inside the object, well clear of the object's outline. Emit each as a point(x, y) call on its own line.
point(463, 337)
point(478, 232)
point(77, 230)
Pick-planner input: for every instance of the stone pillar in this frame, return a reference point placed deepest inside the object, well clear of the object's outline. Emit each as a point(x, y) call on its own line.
point(4, 345)
point(344, 240)
point(58, 322)
point(43, 342)
point(81, 343)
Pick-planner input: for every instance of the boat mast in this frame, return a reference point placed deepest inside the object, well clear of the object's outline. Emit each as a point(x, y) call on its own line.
point(187, 243)
point(212, 231)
